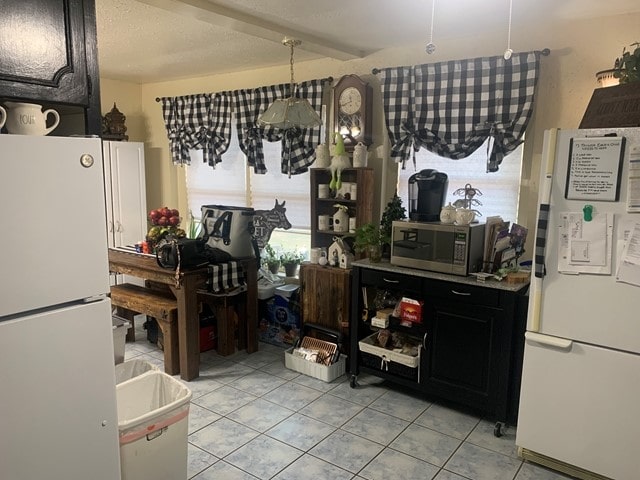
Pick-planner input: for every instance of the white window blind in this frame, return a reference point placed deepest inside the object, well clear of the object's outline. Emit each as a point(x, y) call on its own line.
point(233, 183)
point(500, 190)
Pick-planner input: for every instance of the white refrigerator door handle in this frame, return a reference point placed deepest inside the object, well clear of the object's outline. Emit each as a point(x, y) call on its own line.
point(548, 340)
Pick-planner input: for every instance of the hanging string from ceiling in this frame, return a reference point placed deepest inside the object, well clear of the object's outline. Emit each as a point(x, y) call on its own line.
point(431, 47)
point(508, 52)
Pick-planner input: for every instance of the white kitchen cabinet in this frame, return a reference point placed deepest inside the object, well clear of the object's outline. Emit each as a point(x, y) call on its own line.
point(125, 194)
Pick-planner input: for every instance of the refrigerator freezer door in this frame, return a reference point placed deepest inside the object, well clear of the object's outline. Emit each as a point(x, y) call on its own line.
point(579, 405)
point(592, 309)
point(57, 398)
point(52, 200)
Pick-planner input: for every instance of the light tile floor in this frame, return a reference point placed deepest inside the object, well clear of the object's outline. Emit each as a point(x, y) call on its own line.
point(252, 418)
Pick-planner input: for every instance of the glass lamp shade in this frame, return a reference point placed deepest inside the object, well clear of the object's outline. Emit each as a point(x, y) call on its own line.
point(290, 112)
point(606, 79)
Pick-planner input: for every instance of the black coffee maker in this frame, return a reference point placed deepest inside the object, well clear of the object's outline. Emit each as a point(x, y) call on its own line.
point(427, 194)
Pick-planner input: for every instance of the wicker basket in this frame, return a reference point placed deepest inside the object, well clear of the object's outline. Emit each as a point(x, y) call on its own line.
point(395, 363)
point(331, 364)
point(326, 350)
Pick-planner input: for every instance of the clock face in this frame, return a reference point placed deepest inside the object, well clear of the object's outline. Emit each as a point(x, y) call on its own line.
point(350, 101)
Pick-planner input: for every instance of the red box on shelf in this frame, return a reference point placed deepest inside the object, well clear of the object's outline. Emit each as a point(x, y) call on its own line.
point(208, 338)
point(411, 310)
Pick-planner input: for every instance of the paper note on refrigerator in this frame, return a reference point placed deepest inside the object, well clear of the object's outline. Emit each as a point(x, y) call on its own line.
point(633, 180)
point(629, 268)
point(595, 168)
point(585, 247)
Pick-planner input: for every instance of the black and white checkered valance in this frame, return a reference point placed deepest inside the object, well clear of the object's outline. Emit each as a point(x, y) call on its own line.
point(451, 108)
point(201, 122)
point(298, 145)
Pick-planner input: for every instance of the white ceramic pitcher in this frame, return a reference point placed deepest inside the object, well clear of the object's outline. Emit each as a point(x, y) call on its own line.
point(3, 112)
point(29, 119)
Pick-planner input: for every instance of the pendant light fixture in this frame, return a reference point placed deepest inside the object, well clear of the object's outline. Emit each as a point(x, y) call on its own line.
point(508, 52)
point(291, 112)
point(431, 47)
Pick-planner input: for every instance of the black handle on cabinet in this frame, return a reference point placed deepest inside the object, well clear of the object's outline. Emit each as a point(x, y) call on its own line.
point(464, 294)
point(390, 281)
point(424, 341)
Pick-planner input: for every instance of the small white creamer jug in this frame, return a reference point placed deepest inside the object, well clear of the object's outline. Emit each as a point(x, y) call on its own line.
point(29, 119)
point(360, 155)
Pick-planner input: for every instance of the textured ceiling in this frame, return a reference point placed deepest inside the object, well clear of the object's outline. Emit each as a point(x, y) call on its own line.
point(158, 40)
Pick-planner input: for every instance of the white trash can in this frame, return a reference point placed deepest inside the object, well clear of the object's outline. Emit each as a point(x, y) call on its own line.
point(153, 422)
point(132, 368)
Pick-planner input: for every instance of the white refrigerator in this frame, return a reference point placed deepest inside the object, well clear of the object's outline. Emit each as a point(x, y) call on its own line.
point(57, 382)
point(580, 397)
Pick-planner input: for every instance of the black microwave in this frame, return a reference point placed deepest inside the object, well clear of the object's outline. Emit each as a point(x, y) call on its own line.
point(438, 247)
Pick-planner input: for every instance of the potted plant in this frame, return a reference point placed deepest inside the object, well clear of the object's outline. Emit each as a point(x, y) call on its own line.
point(271, 258)
point(393, 211)
point(290, 260)
point(368, 240)
point(627, 67)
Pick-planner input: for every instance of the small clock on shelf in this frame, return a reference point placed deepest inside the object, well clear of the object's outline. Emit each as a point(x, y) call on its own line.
point(352, 111)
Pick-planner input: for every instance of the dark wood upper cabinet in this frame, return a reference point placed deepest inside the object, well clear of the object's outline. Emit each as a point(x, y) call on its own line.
point(48, 55)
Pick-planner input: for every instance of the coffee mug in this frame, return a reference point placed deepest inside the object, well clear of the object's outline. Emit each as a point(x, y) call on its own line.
point(29, 119)
point(323, 190)
point(324, 222)
point(322, 156)
point(3, 113)
point(314, 254)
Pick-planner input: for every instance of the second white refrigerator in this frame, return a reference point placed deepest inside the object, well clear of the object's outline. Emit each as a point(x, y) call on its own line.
point(57, 380)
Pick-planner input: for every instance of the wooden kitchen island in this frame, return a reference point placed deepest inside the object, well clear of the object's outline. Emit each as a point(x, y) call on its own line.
point(184, 287)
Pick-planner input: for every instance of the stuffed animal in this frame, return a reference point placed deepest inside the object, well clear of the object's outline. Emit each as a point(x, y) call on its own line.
point(339, 162)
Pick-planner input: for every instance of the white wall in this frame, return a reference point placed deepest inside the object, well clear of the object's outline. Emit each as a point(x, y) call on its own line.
point(567, 80)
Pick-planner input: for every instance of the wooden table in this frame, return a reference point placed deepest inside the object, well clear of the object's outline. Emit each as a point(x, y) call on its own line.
point(184, 287)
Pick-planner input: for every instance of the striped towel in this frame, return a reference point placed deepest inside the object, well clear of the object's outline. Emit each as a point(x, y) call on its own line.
point(226, 276)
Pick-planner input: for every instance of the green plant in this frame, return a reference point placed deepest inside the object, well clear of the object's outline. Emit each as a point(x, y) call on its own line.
point(270, 256)
point(366, 236)
point(291, 256)
point(393, 211)
point(194, 226)
point(627, 67)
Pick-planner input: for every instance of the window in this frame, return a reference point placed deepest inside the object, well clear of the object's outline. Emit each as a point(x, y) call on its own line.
point(500, 190)
point(233, 183)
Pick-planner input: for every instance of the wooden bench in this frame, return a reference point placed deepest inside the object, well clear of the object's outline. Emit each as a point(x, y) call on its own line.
point(133, 299)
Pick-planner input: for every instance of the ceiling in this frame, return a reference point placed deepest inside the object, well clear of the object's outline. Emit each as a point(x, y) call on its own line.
point(149, 41)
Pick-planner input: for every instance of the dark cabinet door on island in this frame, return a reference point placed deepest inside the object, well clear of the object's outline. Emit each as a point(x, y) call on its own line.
point(462, 358)
point(49, 55)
